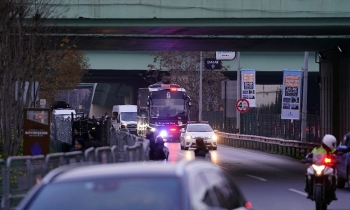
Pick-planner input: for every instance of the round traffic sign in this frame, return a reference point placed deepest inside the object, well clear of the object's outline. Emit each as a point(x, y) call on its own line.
point(242, 105)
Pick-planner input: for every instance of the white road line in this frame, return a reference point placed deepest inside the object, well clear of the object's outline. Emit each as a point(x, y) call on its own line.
point(259, 178)
point(299, 192)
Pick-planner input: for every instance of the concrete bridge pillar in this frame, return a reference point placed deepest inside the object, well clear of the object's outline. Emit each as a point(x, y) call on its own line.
point(335, 92)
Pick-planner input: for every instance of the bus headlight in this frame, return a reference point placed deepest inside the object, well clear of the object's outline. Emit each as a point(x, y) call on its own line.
point(163, 133)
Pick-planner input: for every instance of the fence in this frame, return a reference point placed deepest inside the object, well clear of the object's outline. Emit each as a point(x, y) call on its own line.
point(20, 173)
point(269, 125)
point(291, 148)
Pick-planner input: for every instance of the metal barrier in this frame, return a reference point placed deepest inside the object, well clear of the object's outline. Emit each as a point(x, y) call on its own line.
point(273, 145)
point(22, 172)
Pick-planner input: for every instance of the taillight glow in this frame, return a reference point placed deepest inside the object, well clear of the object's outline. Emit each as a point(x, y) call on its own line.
point(327, 160)
point(173, 89)
point(248, 205)
point(173, 129)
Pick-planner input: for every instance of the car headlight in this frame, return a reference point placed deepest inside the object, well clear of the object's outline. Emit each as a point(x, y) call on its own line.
point(188, 137)
point(214, 137)
point(163, 133)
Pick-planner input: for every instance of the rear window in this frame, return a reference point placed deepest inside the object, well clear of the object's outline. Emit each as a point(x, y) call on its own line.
point(136, 193)
point(199, 128)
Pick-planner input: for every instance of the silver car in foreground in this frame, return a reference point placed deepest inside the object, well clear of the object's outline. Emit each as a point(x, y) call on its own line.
point(195, 184)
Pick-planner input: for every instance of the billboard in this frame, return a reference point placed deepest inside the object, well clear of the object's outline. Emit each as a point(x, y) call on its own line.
point(291, 91)
point(248, 86)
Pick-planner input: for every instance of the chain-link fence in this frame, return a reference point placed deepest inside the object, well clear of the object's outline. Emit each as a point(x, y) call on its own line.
point(269, 125)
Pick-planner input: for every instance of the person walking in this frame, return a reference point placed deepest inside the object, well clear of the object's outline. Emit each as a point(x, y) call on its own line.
point(159, 150)
point(92, 142)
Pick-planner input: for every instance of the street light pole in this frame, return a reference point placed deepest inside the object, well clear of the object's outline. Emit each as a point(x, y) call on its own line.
point(200, 88)
point(238, 114)
point(304, 105)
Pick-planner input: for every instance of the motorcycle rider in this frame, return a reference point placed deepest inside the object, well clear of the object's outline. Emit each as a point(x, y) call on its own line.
point(328, 147)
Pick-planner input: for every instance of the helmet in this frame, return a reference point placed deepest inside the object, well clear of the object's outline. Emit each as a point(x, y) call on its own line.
point(330, 141)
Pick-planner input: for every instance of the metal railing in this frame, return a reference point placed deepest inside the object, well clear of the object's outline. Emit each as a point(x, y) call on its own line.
point(20, 173)
point(292, 148)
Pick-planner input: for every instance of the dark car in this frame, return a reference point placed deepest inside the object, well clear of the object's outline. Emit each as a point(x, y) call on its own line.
point(152, 185)
point(343, 166)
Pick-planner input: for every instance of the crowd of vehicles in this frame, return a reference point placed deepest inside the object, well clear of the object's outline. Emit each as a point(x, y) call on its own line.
point(165, 108)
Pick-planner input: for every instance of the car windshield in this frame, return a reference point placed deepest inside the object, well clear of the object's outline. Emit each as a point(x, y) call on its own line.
point(128, 116)
point(199, 128)
point(151, 193)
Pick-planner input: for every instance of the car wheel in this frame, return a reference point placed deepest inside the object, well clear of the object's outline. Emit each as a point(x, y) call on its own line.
point(186, 148)
point(214, 148)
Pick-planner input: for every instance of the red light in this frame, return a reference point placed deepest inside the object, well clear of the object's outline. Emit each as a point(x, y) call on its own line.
point(173, 89)
point(248, 205)
point(40, 117)
point(327, 160)
point(172, 129)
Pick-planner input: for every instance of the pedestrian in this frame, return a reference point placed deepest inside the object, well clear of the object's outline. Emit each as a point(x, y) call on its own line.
point(92, 142)
point(124, 129)
point(201, 151)
point(152, 143)
point(76, 135)
point(79, 145)
point(159, 150)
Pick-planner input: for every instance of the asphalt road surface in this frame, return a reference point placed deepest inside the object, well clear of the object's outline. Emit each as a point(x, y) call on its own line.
point(268, 181)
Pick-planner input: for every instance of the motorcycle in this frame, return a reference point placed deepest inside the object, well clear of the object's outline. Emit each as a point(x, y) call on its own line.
point(321, 179)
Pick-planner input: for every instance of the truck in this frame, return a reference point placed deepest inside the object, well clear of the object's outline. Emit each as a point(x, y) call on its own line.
point(125, 115)
point(165, 108)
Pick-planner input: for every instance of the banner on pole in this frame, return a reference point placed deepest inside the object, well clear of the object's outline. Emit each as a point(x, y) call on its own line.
point(248, 86)
point(291, 90)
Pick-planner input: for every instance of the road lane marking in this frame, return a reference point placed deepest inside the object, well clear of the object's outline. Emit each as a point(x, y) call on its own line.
point(259, 178)
point(299, 192)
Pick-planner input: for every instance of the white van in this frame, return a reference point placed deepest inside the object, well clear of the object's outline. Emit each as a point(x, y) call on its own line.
point(65, 113)
point(125, 115)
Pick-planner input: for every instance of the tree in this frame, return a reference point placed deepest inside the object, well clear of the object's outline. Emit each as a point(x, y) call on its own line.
point(28, 53)
point(183, 68)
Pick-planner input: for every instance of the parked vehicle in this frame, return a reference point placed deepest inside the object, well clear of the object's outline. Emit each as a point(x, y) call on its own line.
point(196, 129)
point(149, 186)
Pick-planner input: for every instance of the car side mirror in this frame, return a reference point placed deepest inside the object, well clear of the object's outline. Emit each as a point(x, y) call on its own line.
point(341, 150)
point(182, 130)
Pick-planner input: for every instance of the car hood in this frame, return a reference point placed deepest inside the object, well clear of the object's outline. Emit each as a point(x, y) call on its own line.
point(200, 134)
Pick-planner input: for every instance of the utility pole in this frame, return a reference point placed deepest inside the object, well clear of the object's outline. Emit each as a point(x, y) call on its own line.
point(304, 105)
point(238, 114)
point(200, 88)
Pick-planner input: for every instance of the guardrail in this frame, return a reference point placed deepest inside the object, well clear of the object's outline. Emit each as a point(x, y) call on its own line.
point(272, 145)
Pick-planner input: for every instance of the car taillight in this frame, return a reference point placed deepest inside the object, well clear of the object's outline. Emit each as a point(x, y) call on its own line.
point(173, 129)
point(248, 205)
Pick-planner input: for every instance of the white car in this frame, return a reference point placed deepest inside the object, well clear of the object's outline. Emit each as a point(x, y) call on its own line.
point(194, 130)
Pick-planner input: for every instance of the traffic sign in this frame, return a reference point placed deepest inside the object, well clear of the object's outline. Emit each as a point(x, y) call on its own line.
point(212, 63)
point(242, 105)
point(225, 55)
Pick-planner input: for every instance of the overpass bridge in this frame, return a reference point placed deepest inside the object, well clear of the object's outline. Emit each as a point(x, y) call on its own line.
point(266, 26)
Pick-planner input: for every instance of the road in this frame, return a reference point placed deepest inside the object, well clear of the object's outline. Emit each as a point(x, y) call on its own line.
point(269, 182)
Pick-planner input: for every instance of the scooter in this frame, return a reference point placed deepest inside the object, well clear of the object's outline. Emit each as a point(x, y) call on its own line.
point(321, 179)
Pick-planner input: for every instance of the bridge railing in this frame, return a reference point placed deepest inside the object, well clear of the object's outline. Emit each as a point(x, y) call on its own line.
point(267, 144)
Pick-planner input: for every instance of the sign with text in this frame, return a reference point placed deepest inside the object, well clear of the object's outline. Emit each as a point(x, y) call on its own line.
point(291, 94)
point(225, 55)
point(212, 63)
point(242, 105)
point(36, 128)
point(248, 86)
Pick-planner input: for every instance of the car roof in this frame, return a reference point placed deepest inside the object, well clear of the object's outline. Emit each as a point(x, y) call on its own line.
point(130, 169)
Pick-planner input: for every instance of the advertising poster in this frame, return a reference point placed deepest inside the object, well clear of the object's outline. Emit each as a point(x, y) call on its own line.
point(291, 90)
point(248, 86)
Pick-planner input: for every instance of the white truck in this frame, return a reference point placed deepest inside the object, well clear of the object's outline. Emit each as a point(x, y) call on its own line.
point(125, 115)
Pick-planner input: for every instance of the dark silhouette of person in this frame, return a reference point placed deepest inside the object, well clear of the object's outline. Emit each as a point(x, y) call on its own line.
point(201, 150)
point(92, 142)
point(152, 142)
point(159, 153)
